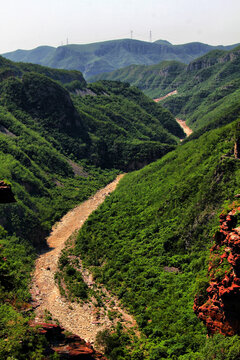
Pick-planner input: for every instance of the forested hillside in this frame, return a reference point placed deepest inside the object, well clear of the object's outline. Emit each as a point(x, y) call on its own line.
point(151, 79)
point(46, 184)
point(89, 124)
point(96, 58)
point(207, 89)
point(149, 244)
point(55, 133)
point(208, 92)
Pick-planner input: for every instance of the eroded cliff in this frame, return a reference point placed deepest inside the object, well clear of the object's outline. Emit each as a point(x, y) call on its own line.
point(218, 306)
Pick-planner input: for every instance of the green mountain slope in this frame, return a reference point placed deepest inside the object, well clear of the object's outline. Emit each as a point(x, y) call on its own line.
point(127, 129)
point(92, 59)
point(95, 128)
point(53, 130)
point(208, 88)
point(64, 77)
point(41, 130)
point(46, 184)
point(148, 243)
point(152, 79)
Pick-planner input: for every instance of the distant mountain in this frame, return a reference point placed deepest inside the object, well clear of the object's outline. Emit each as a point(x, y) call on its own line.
point(97, 58)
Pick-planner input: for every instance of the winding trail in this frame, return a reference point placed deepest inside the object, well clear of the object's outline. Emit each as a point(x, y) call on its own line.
point(74, 317)
point(174, 92)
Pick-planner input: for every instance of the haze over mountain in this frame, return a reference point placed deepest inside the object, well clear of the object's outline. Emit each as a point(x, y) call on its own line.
point(100, 57)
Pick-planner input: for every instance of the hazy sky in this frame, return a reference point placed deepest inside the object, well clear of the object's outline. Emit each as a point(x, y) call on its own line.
point(25, 24)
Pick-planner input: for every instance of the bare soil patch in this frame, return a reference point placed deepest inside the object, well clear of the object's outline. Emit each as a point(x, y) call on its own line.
point(183, 125)
point(174, 92)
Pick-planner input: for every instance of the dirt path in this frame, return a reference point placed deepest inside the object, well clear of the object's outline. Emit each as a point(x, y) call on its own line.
point(174, 92)
point(76, 318)
point(183, 125)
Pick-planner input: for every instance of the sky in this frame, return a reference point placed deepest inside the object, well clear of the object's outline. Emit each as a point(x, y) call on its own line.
point(26, 24)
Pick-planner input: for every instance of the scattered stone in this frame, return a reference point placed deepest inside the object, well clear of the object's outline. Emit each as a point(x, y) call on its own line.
point(171, 269)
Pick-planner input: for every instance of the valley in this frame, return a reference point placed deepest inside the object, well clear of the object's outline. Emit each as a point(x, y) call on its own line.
point(79, 319)
point(114, 203)
point(182, 123)
point(207, 88)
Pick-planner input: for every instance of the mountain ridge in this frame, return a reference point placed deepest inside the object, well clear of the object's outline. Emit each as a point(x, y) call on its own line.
point(106, 56)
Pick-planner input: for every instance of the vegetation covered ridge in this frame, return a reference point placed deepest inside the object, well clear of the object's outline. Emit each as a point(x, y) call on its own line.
point(207, 90)
point(109, 127)
point(95, 58)
point(149, 244)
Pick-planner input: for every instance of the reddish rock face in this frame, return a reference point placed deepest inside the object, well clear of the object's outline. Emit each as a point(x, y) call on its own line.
point(6, 195)
point(219, 307)
point(67, 346)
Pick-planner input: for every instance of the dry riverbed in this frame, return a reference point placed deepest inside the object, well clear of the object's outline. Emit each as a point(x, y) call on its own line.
point(84, 320)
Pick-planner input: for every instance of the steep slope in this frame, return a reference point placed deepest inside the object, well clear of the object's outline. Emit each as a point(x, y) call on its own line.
point(149, 242)
point(100, 126)
point(44, 187)
point(206, 91)
point(92, 59)
point(127, 129)
point(9, 68)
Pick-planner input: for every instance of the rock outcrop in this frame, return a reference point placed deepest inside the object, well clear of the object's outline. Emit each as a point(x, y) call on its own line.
point(219, 57)
point(6, 195)
point(65, 345)
point(218, 307)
